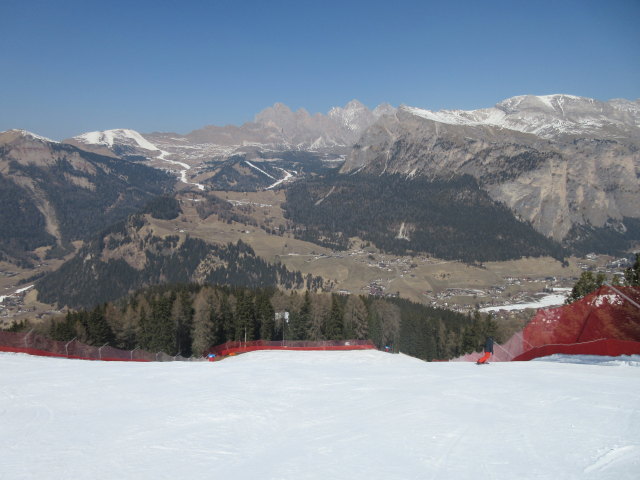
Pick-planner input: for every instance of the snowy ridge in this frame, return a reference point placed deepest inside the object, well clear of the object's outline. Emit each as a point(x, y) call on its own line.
point(545, 116)
point(26, 133)
point(109, 138)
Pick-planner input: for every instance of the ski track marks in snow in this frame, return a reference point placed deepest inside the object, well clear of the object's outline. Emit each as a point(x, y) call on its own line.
point(627, 456)
point(317, 415)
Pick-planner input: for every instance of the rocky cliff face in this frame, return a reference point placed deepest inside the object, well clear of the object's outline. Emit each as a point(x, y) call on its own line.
point(556, 161)
point(276, 128)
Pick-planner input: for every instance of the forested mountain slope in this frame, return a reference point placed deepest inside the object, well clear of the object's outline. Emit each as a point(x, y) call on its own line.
point(53, 194)
point(450, 219)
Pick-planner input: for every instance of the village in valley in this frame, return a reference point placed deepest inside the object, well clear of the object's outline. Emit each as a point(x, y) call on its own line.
point(498, 287)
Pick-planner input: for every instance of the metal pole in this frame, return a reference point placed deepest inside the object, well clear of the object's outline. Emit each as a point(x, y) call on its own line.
point(66, 349)
point(508, 353)
point(622, 294)
point(133, 351)
point(100, 350)
point(25, 338)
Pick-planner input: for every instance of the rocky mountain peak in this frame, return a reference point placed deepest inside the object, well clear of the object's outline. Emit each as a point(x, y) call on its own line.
point(558, 161)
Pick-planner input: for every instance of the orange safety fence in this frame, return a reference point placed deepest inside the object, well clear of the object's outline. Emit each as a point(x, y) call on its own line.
point(235, 347)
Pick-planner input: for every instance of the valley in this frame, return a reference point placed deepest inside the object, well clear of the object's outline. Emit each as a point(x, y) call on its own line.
point(367, 271)
point(359, 270)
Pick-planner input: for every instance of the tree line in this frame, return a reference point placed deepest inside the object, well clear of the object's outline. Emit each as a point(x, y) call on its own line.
point(188, 319)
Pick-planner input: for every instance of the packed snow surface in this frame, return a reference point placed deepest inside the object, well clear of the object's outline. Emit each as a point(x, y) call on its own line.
point(318, 415)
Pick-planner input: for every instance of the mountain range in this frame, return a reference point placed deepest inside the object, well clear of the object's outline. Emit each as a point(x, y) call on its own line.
point(567, 165)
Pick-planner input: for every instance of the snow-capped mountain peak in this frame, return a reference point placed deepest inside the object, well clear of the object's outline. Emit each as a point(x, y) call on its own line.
point(24, 133)
point(548, 116)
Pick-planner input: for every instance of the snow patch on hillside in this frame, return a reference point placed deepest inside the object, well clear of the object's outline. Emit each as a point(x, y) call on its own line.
point(259, 169)
point(552, 300)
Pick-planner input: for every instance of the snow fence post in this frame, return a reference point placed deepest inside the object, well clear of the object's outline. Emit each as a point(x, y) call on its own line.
point(100, 351)
point(66, 347)
point(133, 351)
point(505, 350)
point(26, 345)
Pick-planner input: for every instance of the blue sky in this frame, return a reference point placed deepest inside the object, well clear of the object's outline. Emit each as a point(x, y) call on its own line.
point(74, 66)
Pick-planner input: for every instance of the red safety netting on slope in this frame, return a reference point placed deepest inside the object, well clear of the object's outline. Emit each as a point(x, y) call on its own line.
point(34, 344)
point(232, 348)
point(607, 313)
point(605, 322)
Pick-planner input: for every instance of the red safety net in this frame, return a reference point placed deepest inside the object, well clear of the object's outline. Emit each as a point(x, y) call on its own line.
point(607, 313)
point(605, 322)
point(233, 348)
point(35, 344)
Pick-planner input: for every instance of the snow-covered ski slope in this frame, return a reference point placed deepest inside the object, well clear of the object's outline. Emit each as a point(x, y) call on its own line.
point(319, 415)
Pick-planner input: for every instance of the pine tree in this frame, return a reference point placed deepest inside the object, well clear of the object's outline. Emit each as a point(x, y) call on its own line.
point(162, 327)
point(128, 329)
point(246, 323)
point(182, 314)
point(390, 319)
point(586, 284)
point(98, 330)
point(64, 330)
point(632, 274)
point(320, 311)
point(227, 318)
point(334, 327)
point(355, 318)
point(301, 320)
point(265, 316)
point(203, 328)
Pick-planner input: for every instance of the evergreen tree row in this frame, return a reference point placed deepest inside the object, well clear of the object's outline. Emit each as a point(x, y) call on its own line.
point(189, 319)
